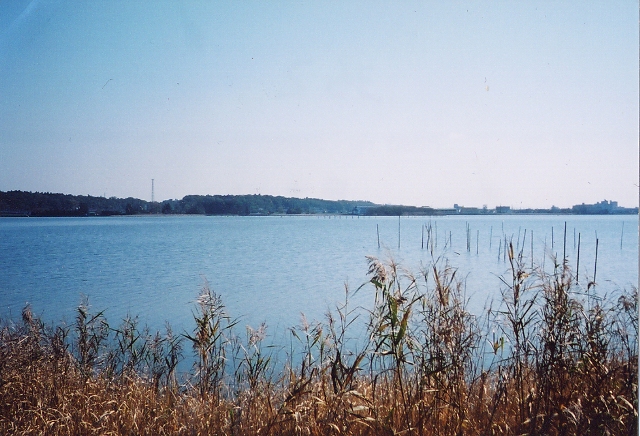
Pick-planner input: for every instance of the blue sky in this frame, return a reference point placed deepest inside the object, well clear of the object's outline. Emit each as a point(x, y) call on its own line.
point(526, 104)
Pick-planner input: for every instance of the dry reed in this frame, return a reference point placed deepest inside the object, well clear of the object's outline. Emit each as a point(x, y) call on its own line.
point(548, 359)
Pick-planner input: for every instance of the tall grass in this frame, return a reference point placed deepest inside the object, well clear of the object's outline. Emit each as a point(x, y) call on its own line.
point(549, 357)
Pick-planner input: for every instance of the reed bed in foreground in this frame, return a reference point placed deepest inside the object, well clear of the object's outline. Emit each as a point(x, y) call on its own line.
point(549, 358)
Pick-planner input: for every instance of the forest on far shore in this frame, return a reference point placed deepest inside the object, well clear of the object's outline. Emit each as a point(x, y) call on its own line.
point(22, 203)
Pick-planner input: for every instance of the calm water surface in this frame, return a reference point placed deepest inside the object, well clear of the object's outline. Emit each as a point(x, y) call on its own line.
point(275, 268)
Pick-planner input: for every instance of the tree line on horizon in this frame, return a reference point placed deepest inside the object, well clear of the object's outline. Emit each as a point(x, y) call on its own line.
point(22, 203)
point(46, 204)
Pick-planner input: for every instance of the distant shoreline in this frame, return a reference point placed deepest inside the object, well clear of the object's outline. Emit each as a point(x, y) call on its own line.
point(319, 215)
point(28, 204)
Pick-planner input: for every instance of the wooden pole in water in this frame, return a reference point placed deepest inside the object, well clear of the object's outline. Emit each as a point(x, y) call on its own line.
point(595, 265)
point(490, 237)
point(422, 246)
point(531, 249)
point(432, 238)
point(449, 238)
point(477, 240)
point(564, 245)
point(436, 224)
point(499, 249)
point(578, 261)
point(398, 232)
point(621, 235)
point(378, 232)
point(551, 238)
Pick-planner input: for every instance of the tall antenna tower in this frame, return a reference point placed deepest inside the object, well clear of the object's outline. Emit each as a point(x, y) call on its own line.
point(152, 193)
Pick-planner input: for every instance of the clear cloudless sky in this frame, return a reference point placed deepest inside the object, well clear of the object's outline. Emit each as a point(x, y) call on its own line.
point(525, 104)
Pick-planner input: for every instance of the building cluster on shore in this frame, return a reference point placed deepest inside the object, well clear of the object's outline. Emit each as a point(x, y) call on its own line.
point(601, 208)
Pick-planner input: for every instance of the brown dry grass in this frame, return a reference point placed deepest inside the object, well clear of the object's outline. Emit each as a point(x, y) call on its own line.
point(545, 361)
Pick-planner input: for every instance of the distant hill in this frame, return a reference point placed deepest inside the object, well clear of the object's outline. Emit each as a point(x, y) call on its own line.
point(21, 203)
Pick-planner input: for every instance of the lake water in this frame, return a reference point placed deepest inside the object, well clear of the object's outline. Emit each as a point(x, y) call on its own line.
point(274, 268)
